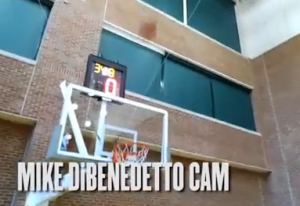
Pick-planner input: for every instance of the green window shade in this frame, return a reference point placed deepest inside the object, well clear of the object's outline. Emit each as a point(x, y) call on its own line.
point(143, 65)
point(172, 7)
point(216, 19)
point(187, 88)
point(22, 24)
point(233, 104)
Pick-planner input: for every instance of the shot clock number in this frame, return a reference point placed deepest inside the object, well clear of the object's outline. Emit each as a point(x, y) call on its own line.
point(110, 72)
point(111, 86)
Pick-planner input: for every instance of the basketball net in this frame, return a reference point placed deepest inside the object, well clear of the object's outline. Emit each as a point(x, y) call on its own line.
point(129, 152)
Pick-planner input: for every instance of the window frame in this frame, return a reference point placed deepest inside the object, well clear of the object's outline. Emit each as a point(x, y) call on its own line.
point(134, 83)
point(191, 68)
point(162, 50)
point(47, 3)
point(185, 24)
point(185, 12)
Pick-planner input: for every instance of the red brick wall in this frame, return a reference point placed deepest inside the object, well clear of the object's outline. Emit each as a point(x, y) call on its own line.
point(13, 139)
point(277, 108)
point(180, 39)
point(15, 77)
point(73, 32)
point(63, 56)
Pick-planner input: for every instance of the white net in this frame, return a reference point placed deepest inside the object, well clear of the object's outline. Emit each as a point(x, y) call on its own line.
point(132, 153)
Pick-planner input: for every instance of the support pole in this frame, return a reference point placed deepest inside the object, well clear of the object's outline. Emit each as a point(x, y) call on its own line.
point(100, 138)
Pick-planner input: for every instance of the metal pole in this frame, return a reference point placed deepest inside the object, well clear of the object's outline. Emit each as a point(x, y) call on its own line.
point(66, 93)
point(100, 138)
point(165, 140)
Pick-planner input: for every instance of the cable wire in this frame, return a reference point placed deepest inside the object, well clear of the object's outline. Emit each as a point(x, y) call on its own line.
point(165, 58)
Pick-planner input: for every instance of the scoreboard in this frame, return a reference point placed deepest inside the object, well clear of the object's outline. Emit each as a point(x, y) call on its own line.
point(105, 76)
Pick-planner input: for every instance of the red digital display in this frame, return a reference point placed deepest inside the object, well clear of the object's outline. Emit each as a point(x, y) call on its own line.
point(112, 86)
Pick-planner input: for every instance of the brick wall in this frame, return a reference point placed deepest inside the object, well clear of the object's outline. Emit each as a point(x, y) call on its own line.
point(277, 108)
point(245, 191)
point(69, 61)
point(180, 39)
point(73, 32)
point(13, 139)
point(15, 77)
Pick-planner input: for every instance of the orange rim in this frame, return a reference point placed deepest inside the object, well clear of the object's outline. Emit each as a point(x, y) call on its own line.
point(125, 154)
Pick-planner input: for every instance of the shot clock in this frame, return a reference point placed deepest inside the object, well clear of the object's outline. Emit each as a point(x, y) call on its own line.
point(105, 76)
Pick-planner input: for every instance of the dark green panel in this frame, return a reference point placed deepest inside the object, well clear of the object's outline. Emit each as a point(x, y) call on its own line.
point(22, 24)
point(216, 19)
point(187, 88)
point(172, 7)
point(233, 104)
point(143, 64)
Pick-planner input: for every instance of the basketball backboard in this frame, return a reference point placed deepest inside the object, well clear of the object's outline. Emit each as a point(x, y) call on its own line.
point(93, 119)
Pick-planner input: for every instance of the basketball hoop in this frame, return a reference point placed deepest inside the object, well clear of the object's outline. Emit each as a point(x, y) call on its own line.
point(130, 152)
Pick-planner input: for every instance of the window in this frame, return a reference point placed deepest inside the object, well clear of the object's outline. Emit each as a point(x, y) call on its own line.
point(200, 91)
point(187, 88)
point(24, 22)
point(214, 18)
point(143, 64)
point(232, 104)
point(185, 85)
point(172, 7)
